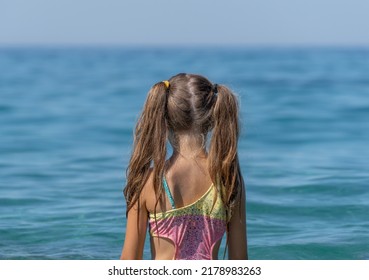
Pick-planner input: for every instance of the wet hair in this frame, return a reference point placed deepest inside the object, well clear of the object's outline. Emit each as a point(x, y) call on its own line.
point(189, 103)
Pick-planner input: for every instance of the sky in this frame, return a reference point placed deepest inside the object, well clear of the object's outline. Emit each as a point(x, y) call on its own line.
point(185, 22)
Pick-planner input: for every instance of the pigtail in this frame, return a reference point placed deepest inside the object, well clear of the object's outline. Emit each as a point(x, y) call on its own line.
point(149, 145)
point(224, 166)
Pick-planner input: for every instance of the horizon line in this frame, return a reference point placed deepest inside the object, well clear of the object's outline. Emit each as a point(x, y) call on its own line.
point(185, 46)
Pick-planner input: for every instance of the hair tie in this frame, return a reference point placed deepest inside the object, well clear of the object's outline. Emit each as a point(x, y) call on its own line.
point(215, 89)
point(166, 83)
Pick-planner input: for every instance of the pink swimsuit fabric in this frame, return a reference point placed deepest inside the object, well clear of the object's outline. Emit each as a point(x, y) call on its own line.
point(194, 229)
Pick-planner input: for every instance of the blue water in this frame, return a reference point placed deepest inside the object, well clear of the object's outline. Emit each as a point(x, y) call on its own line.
point(66, 124)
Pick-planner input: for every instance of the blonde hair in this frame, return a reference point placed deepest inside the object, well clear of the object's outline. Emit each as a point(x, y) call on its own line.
point(189, 103)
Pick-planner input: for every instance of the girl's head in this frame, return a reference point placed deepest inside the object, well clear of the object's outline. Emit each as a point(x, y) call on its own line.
point(189, 106)
point(186, 104)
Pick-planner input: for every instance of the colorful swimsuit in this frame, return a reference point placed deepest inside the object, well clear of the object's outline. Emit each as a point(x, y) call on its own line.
point(194, 229)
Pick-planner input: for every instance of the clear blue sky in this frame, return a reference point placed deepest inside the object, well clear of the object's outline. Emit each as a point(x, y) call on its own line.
point(185, 22)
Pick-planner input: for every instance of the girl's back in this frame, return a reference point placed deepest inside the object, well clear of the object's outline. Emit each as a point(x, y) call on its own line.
point(188, 181)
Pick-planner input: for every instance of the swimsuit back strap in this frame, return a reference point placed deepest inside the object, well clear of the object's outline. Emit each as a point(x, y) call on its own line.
point(169, 195)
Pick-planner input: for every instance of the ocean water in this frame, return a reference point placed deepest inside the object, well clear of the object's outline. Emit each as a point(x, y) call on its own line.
point(66, 125)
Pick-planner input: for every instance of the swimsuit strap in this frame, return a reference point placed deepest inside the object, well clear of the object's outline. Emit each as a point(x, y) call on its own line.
point(167, 191)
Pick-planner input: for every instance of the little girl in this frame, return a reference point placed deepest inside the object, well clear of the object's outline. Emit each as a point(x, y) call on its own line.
point(191, 199)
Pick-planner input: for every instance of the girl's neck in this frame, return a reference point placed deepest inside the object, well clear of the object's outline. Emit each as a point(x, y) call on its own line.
point(189, 154)
point(190, 146)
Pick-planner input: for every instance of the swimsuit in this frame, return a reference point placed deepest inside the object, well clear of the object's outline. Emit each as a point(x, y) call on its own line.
point(193, 229)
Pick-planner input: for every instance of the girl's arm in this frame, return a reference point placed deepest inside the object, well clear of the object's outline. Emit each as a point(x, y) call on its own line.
point(237, 237)
point(135, 232)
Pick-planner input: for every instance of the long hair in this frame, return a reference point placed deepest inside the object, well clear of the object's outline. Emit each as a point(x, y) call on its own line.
point(190, 103)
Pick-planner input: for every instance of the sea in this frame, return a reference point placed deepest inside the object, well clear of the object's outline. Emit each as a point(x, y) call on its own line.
point(67, 115)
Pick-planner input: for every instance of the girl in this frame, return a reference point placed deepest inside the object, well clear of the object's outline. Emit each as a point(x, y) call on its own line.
point(190, 200)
